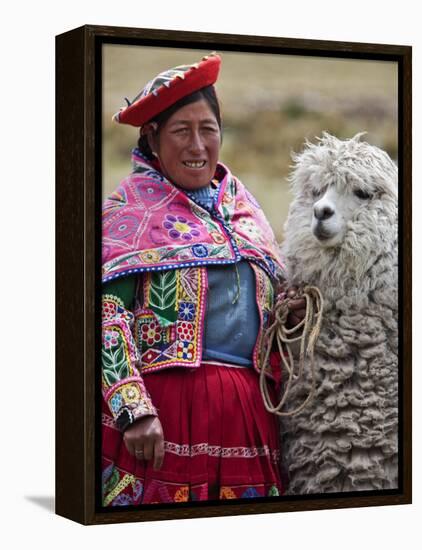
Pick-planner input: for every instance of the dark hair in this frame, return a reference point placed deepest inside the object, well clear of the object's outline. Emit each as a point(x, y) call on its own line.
point(207, 93)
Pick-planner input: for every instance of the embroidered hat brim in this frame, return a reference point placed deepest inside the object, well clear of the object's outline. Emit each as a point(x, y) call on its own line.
point(167, 88)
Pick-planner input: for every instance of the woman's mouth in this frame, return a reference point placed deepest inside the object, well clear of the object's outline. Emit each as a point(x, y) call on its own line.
point(194, 163)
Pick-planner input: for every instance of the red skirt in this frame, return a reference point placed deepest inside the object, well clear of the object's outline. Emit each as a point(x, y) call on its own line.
point(219, 441)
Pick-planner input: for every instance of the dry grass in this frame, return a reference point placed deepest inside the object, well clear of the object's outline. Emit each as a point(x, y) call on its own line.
point(270, 104)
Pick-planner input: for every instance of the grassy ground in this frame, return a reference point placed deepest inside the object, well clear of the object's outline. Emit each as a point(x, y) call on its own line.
point(270, 104)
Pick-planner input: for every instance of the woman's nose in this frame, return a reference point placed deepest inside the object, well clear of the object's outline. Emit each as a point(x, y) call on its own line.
point(196, 143)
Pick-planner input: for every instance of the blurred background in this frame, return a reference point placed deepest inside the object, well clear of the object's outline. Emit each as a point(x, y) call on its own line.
point(270, 105)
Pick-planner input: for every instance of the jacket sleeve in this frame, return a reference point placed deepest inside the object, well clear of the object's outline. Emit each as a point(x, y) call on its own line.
point(122, 385)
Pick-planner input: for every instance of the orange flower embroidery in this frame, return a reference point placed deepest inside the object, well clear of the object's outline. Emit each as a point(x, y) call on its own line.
point(182, 494)
point(217, 237)
point(226, 493)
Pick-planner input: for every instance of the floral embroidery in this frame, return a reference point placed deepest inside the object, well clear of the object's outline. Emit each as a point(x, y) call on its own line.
point(200, 250)
point(129, 402)
point(189, 285)
point(144, 407)
point(151, 332)
point(119, 487)
point(122, 500)
point(264, 297)
point(186, 311)
point(105, 476)
point(185, 254)
point(150, 356)
point(226, 493)
point(116, 402)
point(118, 352)
point(184, 350)
point(110, 338)
point(111, 480)
point(115, 365)
point(126, 480)
point(150, 189)
point(250, 228)
point(185, 331)
point(273, 491)
point(138, 489)
point(131, 393)
point(162, 296)
point(250, 492)
point(150, 350)
point(115, 201)
point(182, 494)
point(123, 389)
point(124, 227)
point(113, 308)
point(109, 306)
point(265, 290)
point(149, 256)
point(180, 228)
point(243, 206)
point(217, 237)
point(227, 198)
point(123, 489)
point(172, 308)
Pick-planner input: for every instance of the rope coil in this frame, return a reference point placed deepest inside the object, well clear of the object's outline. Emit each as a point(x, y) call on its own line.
point(311, 325)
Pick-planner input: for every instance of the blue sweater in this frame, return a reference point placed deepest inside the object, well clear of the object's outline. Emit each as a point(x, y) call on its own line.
point(232, 319)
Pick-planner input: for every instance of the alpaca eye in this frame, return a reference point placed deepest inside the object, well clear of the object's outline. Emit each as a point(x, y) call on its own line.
point(362, 194)
point(316, 193)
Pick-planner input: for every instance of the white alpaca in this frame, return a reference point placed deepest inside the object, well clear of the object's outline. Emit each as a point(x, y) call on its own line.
point(341, 235)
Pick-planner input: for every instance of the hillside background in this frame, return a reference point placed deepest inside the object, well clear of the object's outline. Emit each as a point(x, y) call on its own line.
point(270, 104)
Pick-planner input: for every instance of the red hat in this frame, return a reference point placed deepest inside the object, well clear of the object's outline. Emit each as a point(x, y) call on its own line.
point(167, 88)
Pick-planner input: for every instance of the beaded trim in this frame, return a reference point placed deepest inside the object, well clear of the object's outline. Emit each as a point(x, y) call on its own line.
point(196, 263)
point(218, 451)
point(214, 450)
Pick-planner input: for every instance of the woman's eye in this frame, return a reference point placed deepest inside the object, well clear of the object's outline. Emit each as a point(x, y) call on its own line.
point(361, 194)
point(209, 129)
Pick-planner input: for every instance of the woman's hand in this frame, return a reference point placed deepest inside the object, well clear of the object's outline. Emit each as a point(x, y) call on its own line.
point(297, 307)
point(145, 440)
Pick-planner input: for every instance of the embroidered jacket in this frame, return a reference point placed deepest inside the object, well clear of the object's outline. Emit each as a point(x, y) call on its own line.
point(152, 228)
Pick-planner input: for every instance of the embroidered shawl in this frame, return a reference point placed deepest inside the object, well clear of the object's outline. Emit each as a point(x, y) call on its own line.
point(149, 224)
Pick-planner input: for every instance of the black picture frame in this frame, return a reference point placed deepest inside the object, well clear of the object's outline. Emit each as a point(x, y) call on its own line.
point(78, 239)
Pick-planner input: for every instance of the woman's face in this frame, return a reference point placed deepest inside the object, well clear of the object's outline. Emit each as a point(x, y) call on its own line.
point(188, 145)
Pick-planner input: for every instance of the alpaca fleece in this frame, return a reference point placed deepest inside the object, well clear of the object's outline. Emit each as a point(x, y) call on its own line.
point(346, 438)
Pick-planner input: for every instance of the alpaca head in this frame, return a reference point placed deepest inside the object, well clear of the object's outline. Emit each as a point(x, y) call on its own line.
point(344, 211)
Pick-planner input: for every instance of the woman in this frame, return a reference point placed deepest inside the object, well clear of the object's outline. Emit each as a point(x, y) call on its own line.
point(190, 269)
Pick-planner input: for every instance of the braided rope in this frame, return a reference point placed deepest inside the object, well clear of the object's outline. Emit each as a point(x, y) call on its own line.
point(311, 324)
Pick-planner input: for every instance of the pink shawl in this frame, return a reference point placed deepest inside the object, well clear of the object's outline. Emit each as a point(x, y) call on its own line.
point(149, 224)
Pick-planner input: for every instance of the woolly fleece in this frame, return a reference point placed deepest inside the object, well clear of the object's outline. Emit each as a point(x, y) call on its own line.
point(346, 439)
